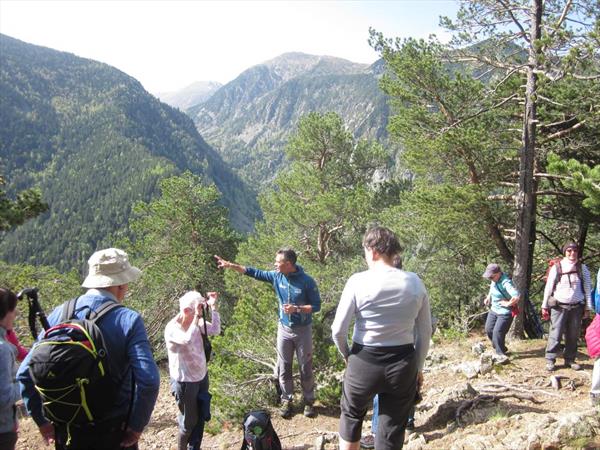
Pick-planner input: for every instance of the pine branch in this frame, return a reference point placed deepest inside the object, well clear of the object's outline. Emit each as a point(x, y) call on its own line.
point(562, 18)
point(515, 20)
point(476, 114)
point(562, 133)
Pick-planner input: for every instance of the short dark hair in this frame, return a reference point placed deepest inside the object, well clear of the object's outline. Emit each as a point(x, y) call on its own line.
point(288, 254)
point(8, 302)
point(383, 240)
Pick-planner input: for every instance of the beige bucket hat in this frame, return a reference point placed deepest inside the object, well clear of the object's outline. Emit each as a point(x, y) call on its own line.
point(110, 267)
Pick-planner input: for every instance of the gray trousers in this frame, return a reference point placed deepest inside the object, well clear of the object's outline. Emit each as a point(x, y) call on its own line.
point(567, 322)
point(298, 339)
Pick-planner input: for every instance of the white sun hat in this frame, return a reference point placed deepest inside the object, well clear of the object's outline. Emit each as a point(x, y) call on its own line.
point(190, 299)
point(110, 267)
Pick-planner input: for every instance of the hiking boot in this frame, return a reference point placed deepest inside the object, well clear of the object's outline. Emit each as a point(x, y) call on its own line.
point(502, 359)
point(309, 410)
point(368, 441)
point(286, 409)
point(573, 365)
point(550, 367)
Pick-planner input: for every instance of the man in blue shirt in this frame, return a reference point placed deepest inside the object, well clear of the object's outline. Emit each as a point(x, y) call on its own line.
point(299, 298)
point(130, 354)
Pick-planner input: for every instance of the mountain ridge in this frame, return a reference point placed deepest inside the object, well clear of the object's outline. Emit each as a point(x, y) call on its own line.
point(95, 142)
point(249, 119)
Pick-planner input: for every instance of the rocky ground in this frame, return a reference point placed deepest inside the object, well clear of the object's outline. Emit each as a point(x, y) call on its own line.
point(470, 402)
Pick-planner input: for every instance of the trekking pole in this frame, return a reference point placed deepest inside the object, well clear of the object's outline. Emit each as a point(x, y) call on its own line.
point(35, 310)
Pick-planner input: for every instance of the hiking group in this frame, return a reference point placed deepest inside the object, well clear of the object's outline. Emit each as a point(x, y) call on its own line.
point(568, 298)
point(90, 381)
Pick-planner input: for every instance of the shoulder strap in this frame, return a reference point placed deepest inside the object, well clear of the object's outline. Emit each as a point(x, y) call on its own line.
point(579, 267)
point(205, 334)
point(558, 276)
point(68, 309)
point(501, 289)
point(106, 307)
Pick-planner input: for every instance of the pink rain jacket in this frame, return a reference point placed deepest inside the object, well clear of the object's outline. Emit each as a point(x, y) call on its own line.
point(592, 337)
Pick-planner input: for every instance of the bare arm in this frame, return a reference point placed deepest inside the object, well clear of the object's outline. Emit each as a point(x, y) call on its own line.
point(224, 264)
point(214, 326)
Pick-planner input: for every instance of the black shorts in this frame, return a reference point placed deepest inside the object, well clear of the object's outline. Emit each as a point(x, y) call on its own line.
point(390, 372)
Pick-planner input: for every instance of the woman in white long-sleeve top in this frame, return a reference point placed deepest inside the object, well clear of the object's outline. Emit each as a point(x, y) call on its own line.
point(187, 365)
point(390, 341)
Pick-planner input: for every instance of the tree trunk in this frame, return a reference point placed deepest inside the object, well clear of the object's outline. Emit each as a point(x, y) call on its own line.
point(526, 202)
point(582, 235)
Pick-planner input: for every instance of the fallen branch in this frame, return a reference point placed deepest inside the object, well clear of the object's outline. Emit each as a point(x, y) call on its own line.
point(488, 398)
point(527, 389)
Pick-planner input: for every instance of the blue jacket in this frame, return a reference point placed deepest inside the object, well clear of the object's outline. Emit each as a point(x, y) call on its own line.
point(296, 288)
point(129, 350)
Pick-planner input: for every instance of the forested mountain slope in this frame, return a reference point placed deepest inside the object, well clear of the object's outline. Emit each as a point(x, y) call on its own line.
point(95, 142)
point(250, 119)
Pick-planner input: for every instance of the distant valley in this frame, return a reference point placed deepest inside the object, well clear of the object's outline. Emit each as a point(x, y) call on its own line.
point(191, 95)
point(249, 120)
point(96, 142)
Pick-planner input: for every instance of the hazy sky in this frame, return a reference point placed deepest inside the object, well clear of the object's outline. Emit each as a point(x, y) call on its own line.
point(169, 45)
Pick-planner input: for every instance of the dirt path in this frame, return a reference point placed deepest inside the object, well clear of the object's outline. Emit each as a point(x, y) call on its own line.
point(526, 374)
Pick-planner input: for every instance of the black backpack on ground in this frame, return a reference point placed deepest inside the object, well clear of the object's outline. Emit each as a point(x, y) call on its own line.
point(259, 433)
point(70, 368)
point(531, 322)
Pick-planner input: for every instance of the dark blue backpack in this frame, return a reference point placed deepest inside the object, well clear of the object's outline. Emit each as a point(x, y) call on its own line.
point(259, 433)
